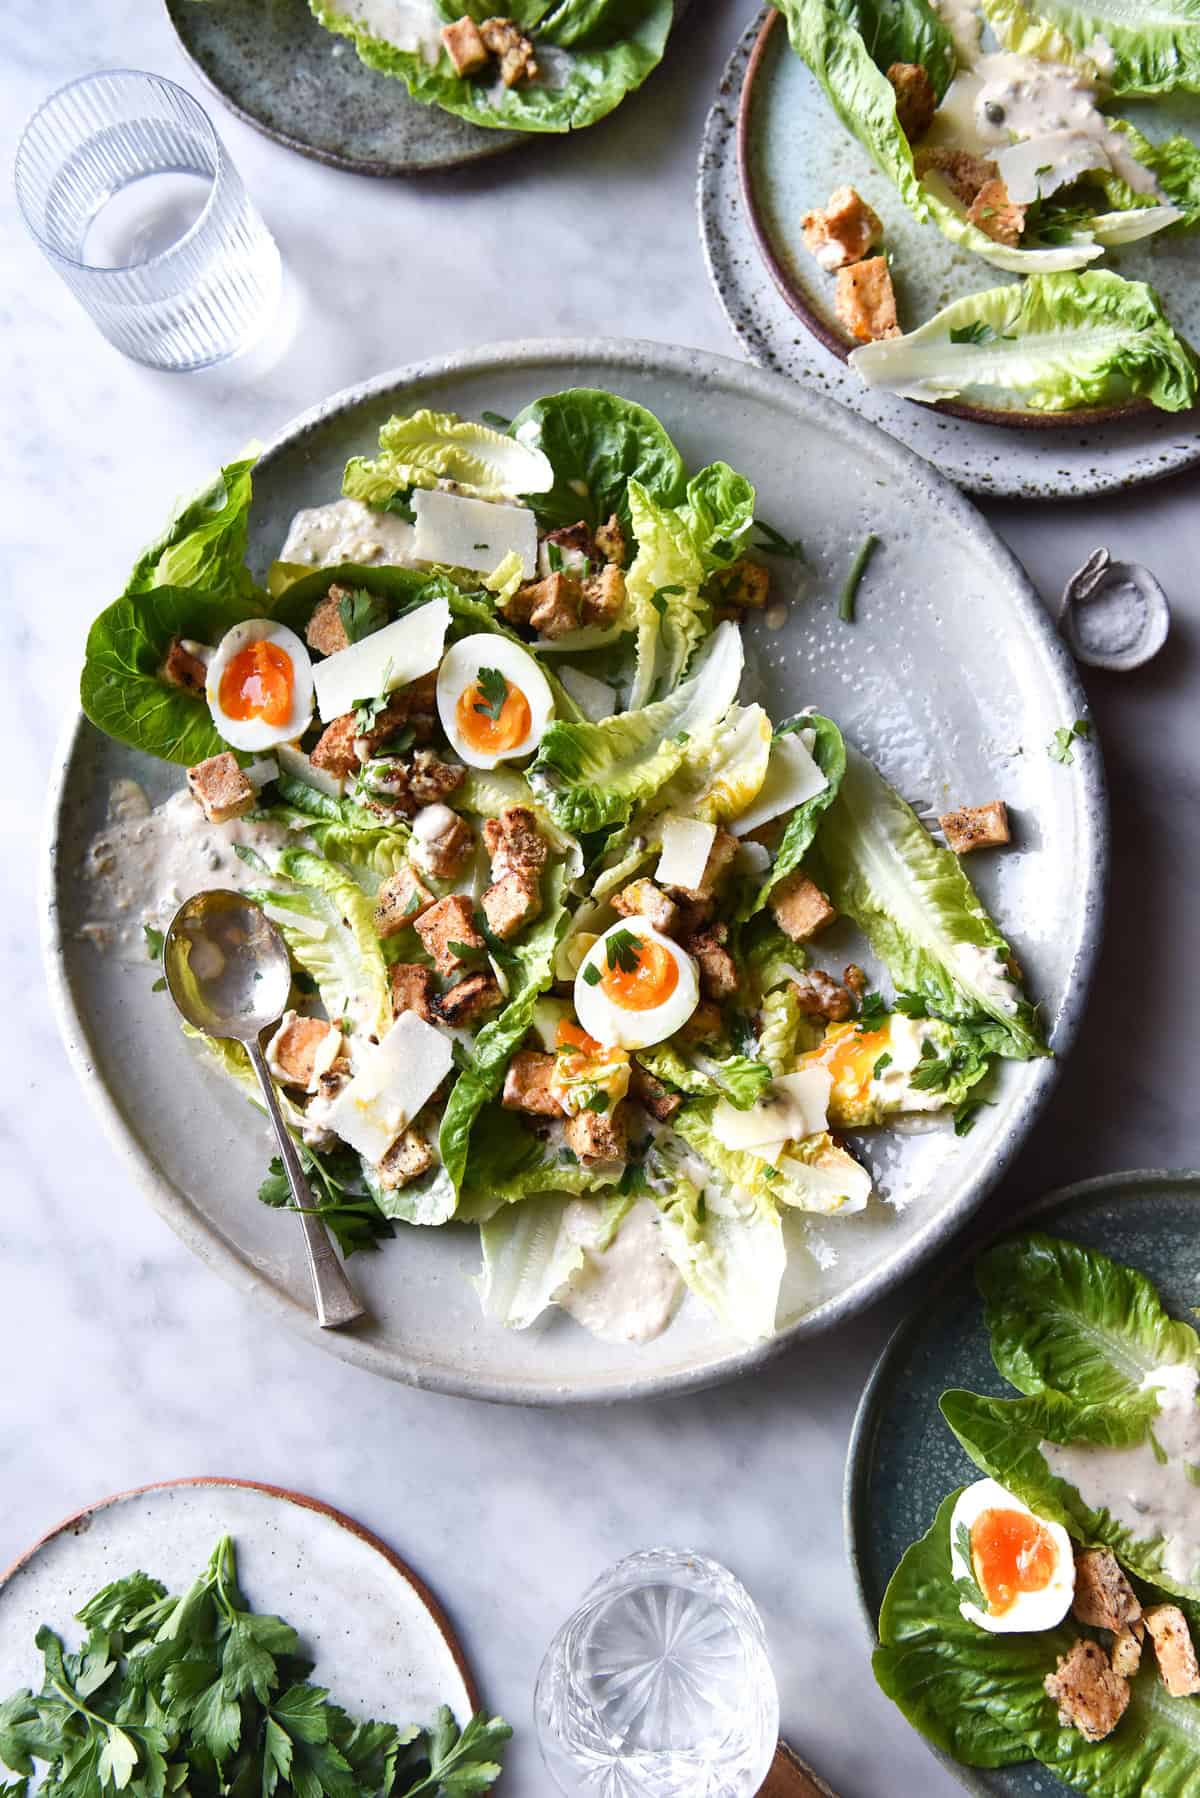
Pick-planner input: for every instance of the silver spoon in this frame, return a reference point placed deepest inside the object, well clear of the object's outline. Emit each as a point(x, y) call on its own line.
point(228, 971)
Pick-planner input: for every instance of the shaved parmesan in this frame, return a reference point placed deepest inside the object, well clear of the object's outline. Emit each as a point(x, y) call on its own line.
point(390, 658)
point(792, 778)
point(595, 698)
point(297, 766)
point(795, 1106)
point(686, 846)
point(396, 1078)
point(473, 533)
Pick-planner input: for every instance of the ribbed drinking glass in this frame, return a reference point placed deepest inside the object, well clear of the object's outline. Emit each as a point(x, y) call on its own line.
point(659, 1686)
point(132, 197)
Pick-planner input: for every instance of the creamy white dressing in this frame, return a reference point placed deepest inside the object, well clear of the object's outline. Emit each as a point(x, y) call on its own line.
point(346, 530)
point(413, 25)
point(1139, 1490)
point(979, 968)
point(146, 861)
point(629, 1291)
point(892, 1088)
point(964, 22)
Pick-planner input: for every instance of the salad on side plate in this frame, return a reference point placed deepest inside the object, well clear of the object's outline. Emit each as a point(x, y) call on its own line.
point(553, 890)
point(1052, 1611)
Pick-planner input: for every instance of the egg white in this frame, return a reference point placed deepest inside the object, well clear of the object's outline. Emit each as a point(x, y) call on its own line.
point(1031, 1611)
point(256, 733)
point(616, 1028)
point(459, 671)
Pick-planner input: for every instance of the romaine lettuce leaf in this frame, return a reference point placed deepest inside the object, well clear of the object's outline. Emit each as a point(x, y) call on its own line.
point(297, 597)
point(427, 447)
point(829, 753)
point(427, 1202)
point(343, 831)
point(120, 690)
point(596, 443)
point(528, 1258)
point(903, 31)
point(919, 911)
point(346, 962)
point(1065, 1316)
point(728, 1248)
point(719, 511)
point(592, 775)
point(733, 1077)
point(816, 1174)
point(204, 545)
point(663, 587)
point(506, 1163)
point(487, 791)
point(1054, 343)
point(1131, 46)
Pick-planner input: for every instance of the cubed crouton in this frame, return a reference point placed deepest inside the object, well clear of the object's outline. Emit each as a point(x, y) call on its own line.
point(527, 1084)
point(1174, 1649)
point(865, 300)
point(818, 996)
point(464, 46)
point(642, 899)
point(598, 1136)
point(963, 173)
point(509, 904)
point(326, 632)
point(1103, 1597)
point(412, 989)
point(449, 922)
point(401, 900)
point(220, 788)
point(518, 606)
point(555, 604)
point(650, 1093)
point(703, 1025)
point(442, 842)
point(302, 1049)
point(1088, 1692)
point(718, 970)
point(996, 215)
point(842, 231)
point(800, 908)
point(976, 827)
point(386, 724)
point(181, 667)
point(720, 859)
point(468, 999)
point(514, 843)
point(334, 749)
point(916, 101)
point(1126, 1650)
point(431, 781)
point(610, 541)
point(745, 585)
point(603, 596)
point(854, 979)
point(514, 49)
point(409, 1157)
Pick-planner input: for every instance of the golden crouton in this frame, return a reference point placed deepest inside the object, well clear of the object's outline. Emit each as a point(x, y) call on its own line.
point(718, 970)
point(603, 595)
point(409, 1157)
point(300, 1046)
point(514, 843)
point(800, 908)
point(916, 101)
point(610, 542)
point(642, 899)
point(464, 46)
point(842, 231)
point(527, 1084)
point(963, 173)
point(597, 1136)
point(442, 842)
point(515, 51)
point(817, 995)
point(1126, 1650)
point(649, 1091)
point(996, 215)
point(411, 988)
point(401, 900)
point(1087, 1691)
point(220, 788)
point(976, 827)
point(467, 999)
point(744, 585)
point(510, 904)
point(554, 605)
point(1174, 1649)
point(334, 749)
point(865, 300)
point(447, 928)
point(326, 633)
point(1103, 1597)
point(181, 668)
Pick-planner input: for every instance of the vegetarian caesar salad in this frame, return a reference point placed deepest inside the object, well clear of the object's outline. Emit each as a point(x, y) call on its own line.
point(1051, 1613)
point(552, 891)
point(546, 65)
point(997, 123)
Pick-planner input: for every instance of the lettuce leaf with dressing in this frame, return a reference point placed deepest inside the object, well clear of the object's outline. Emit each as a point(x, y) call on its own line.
point(1132, 46)
point(1053, 343)
point(728, 1248)
point(425, 447)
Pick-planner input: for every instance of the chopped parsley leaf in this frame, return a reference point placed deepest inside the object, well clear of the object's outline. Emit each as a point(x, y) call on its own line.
point(1059, 750)
point(598, 1102)
point(154, 941)
point(591, 974)
point(623, 950)
point(493, 690)
point(361, 614)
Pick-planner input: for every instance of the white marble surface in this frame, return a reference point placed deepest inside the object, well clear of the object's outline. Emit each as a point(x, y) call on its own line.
point(122, 1359)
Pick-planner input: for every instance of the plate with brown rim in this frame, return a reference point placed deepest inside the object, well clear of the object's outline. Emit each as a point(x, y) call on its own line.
point(772, 150)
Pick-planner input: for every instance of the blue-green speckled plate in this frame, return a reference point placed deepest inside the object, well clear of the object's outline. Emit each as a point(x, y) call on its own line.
point(903, 1459)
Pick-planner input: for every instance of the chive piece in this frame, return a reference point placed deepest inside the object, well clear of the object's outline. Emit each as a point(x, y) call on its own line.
point(858, 568)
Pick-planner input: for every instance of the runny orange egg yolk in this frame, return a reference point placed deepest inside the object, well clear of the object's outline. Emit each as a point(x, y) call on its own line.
point(854, 1055)
point(1013, 1553)
point(489, 727)
point(642, 977)
point(257, 683)
point(570, 1035)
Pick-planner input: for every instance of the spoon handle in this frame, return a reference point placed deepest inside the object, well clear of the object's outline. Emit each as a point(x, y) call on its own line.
point(336, 1300)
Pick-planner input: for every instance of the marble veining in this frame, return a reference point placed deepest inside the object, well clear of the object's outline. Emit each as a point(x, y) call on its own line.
point(124, 1360)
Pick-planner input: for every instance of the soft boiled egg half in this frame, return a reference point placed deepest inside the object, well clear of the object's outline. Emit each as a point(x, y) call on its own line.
point(635, 986)
point(1022, 1566)
point(493, 700)
point(260, 685)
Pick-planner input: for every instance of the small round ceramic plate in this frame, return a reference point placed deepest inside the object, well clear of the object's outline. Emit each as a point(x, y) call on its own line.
point(952, 678)
point(903, 1460)
point(376, 1633)
point(773, 149)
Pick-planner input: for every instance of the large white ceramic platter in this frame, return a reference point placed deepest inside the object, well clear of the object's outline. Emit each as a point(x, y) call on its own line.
point(952, 678)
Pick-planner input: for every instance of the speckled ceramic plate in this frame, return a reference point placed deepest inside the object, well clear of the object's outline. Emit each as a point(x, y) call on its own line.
point(378, 1636)
point(953, 678)
point(903, 1459)
point(793, 153)
point(277, 68)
